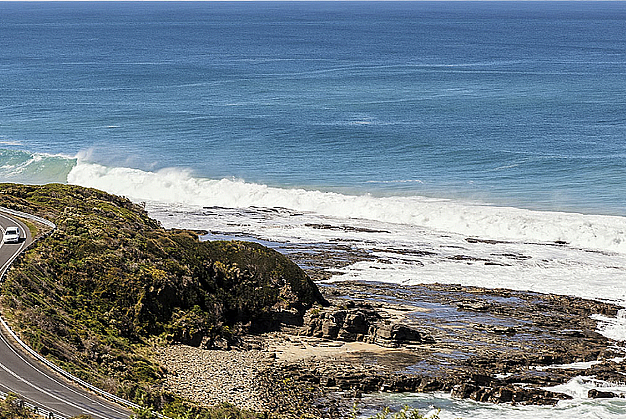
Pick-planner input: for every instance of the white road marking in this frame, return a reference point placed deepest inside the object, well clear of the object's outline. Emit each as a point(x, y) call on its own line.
point(40, 371)
point(39, 406)
point(3, 268)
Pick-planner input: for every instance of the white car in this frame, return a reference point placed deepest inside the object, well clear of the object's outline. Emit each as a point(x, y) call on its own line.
point(12, 235)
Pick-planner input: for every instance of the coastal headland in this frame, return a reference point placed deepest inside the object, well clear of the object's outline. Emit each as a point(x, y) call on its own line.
point(178, 324)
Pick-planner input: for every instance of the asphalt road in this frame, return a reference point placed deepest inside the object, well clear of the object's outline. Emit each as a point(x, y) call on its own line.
point(21, 374)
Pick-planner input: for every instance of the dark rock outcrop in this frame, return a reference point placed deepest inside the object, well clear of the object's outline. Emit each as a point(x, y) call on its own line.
point(597, 394)
point(347, 324)
point(359, 323)
point(393, 334)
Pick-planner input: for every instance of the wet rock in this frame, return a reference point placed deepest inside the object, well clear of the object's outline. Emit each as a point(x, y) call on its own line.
point(429, 384)
point(499, 330)
point(506, 394)
point(463, 391)
point(597, 394)
point(495, 346)
point(473, 305)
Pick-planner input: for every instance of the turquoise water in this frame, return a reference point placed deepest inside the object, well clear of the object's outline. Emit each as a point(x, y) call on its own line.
point(408, 127)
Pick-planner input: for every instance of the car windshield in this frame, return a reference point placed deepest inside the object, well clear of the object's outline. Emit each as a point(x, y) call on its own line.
point(12, 230)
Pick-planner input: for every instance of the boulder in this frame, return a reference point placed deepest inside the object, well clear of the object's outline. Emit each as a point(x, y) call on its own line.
point(394, 334)
point(359, 323)
point(597, 394)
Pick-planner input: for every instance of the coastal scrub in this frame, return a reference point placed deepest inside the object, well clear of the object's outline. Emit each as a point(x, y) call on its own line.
point(109, 283)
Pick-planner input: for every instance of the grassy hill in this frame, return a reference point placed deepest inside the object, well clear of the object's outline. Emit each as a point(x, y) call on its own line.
point(96, 293)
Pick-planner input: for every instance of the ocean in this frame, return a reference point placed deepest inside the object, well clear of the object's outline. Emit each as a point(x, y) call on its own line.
point(492, 129)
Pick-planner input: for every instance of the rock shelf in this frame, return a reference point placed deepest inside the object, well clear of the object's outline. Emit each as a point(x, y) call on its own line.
point(498, 346)
point(489, 345)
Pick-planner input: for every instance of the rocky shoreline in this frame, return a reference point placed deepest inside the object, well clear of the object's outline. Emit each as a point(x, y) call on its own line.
point(497, 346)
point(267, 337)
point(488, 345)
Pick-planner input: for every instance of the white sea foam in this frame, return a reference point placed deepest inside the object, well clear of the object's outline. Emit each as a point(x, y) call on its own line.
point(607, 233)
point(582, 365)
point(612, 328)
point(578, 387)
point(454, 408)
point(11, 143)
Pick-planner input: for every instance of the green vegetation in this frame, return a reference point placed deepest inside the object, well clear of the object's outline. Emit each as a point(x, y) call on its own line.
point(11, 408)
point(182, 410)
point(405, 413)
point(35, 230)
point(109, 283)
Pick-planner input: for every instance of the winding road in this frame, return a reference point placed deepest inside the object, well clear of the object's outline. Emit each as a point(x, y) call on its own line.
point(30, 379)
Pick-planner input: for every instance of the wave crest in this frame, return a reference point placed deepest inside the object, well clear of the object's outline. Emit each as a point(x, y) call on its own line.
point(34, 168)
point(180, 187)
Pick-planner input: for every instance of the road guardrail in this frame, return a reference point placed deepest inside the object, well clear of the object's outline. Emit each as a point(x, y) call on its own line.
point(35, 354)
point(35, 409)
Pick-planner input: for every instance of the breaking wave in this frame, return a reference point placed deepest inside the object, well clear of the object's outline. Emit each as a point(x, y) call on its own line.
point(34, 168)
point(180, 187)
